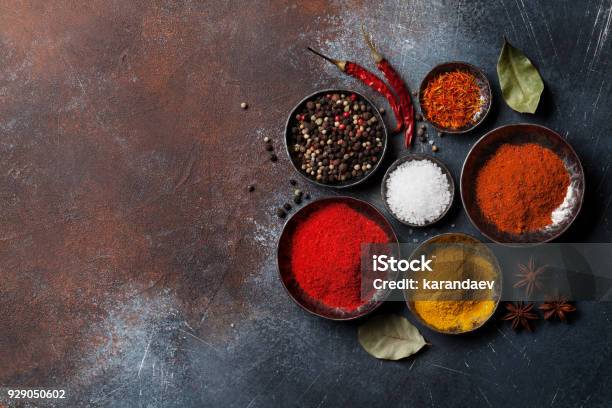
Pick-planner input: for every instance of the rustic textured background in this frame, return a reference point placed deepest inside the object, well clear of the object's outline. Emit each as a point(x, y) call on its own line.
point(136, 271)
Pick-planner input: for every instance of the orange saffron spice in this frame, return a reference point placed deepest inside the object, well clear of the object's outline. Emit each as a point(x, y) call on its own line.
point(452, 99)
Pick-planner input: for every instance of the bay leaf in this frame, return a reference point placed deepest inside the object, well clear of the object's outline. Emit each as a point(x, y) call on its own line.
point(390, 337)
point(520, 81)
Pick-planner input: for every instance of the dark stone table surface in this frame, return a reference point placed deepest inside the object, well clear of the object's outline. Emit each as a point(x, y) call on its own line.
point(136, 270)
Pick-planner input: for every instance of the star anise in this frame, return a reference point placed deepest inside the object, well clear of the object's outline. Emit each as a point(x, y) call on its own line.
point(557, 307)
point(520, 314)
point(530, 277)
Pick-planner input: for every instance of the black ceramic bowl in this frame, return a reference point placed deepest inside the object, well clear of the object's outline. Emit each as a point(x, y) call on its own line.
point(481, 80)
point(283, 259)
point(519, 134)
point(461, 238)
point(291, 120)
point(412, 157)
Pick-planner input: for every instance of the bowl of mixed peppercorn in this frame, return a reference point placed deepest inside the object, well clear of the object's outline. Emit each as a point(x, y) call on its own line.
point(336, 138)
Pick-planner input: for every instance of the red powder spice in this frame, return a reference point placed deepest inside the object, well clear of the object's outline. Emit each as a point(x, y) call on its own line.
point(520, 186)
point(325, 254)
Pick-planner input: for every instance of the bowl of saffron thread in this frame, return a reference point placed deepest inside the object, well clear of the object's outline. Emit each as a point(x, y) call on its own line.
point(455, 97)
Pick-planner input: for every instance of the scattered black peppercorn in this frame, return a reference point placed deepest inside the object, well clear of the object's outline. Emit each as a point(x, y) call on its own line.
point(307, 196)
point(281, 213)
point(287, 207)
point(273, 158)
point(269, 147)
point(292, 182)
point(297, 200)
point(251, 188)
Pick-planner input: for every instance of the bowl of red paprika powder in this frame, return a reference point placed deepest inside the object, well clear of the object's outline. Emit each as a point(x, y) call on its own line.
point(522, 184)
point(320, 253)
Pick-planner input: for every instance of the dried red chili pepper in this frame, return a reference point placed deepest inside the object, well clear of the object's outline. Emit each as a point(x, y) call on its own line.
point(371, 80)
point(398, 85)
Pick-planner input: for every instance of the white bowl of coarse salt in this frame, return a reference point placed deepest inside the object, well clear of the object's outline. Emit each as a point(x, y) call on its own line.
point(418, 190)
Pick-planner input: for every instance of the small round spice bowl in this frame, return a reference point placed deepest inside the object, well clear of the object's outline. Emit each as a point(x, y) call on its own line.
point(456, 257)
point(335, 138)
point(335, 289)
point(526, 143)
point(413, 197)
point(472, 86)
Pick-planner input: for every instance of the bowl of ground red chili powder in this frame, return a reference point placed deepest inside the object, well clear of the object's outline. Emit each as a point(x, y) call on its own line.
point(320, 255)
point(522, 184)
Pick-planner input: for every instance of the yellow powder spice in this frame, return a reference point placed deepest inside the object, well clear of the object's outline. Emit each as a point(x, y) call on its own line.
point(457, 257)
point(454, 315)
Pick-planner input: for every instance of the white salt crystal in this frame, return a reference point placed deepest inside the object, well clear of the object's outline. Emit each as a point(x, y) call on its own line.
point(418, 192)
point(561, 213)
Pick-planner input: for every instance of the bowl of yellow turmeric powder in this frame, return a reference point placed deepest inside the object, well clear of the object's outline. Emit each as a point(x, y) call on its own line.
point(463, 288)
